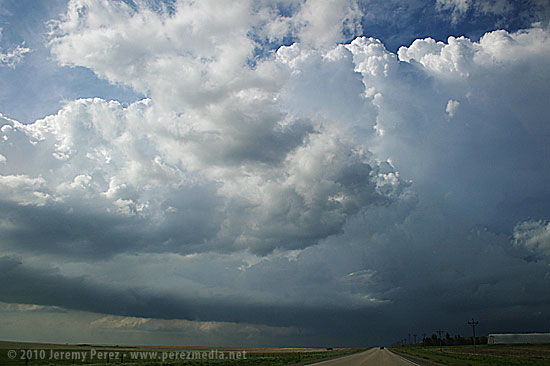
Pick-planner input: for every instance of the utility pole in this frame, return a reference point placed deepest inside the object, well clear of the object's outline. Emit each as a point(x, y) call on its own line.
point(424, 339)
point(473, 324)
point(409, 339)
point(414, 335)
point(439, 331)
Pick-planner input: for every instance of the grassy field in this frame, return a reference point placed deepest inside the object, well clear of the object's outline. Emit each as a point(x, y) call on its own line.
point(14, 353)
point(487, 355)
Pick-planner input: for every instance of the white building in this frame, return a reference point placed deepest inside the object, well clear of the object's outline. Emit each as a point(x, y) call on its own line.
point(520, 338)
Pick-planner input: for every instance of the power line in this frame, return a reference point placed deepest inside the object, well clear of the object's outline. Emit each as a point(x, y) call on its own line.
point(473, 324)
point(439, 331)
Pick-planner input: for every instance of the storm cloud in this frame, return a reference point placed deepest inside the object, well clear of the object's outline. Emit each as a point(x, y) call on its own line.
point(285, 173)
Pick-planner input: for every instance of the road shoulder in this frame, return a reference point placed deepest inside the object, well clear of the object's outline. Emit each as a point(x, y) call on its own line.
point(414, 359)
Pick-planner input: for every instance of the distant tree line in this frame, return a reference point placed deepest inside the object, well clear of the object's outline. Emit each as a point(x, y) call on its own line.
point(449, 340)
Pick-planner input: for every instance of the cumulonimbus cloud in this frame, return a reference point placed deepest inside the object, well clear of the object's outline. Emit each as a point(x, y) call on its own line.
point(311, 164)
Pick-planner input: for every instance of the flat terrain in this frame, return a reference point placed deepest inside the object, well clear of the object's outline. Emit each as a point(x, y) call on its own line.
point(502, 355)
point(42, 354)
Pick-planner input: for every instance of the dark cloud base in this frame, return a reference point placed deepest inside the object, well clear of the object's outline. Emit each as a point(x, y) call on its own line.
point(447, 306)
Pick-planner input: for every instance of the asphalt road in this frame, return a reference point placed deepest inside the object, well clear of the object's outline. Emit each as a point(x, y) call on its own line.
point(372, 357)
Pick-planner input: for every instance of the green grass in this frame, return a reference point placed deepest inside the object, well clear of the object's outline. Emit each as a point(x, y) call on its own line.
point(487, 355)
point(41, 356)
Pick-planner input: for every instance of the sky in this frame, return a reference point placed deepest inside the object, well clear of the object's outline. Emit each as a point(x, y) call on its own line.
point(273, 173)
